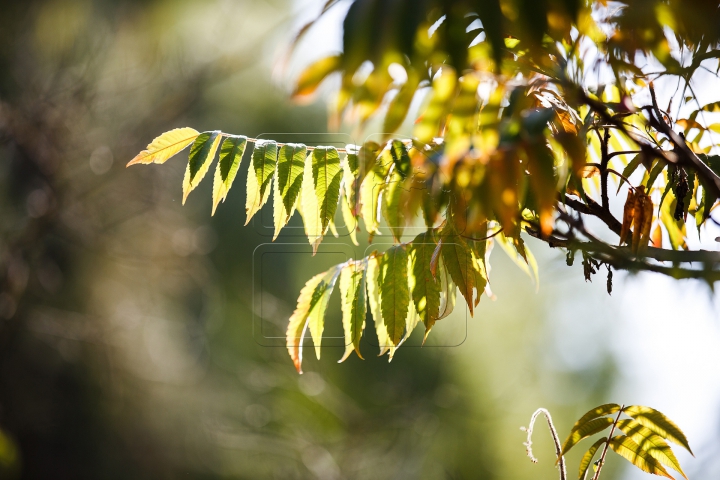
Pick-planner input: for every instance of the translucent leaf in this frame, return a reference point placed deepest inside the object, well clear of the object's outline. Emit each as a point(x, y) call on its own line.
point(280, 216)
point(165, 146)
point(392, 204)
point(352, 297)
point(580, 432)
point(309, 208)
point(631, 451)
point(297, 327)
point(312, 76)
point(400, 104)
point(651, 443)
point(349, 219)
point(588, 457)
point(658, 423)
point(395, 294)
point(400, 158)
point(458, 261)
point(424, 286)
point(290, 168)
point(318, 305)
point(602, 410)
point(443, 88)
point(370, 190)
point(260, 173)
point(326, 174)
point(374, 299)
point(231, 152)
point(202, 154)
point(448, 296)
point(630, 168)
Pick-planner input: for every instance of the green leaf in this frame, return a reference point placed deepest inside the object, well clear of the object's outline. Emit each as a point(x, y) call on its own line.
point(202, 154)
point(318, 305)
point(290, 167)
point(309, 208)
point(374, 299)
point(448, 291)
point(231, 153)
point(654, 173)
point(588, 457)
point(327, 175)
point(631, 451)
point(602, 410)
point(260, 173)
point(352, 296)
point(400, 158)
point(424, 286)
point(658, 423)
point(443, 89)
point(308, 301)
point(651, 443)
point(630, 168)
point(370, 189)
point(581, 432)
point(351, 221)
point(392, 204)
point(458, 260)
point(395, 294)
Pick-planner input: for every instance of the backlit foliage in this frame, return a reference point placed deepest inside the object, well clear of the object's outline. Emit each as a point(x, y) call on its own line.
point(533, 115)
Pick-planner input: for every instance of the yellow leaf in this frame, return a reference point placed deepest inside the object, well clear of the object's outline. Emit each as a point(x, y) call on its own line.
point(165, 146)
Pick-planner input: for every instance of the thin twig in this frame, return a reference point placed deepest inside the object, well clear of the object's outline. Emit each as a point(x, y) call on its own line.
point(556, 440)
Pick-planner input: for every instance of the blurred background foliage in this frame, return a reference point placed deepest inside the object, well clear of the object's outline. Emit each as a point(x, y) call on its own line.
point(127, 347)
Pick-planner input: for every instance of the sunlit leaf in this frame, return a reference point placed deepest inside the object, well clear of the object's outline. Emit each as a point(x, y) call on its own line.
point(327, 175)
point(395, 294)
point(313, 75)
point(231, 153)
point(651, 442)
point(166, 145)
point(392, 204)
point(658, 423)
point(202, 153)
point(424, 286)
point(318, 305)
point(443, 88)
point(374, 299)
point(309, 208)
point(631, 451)
point(459, 263)
point(588, 457)
point(290, 168)
point(260, 173)
point(312, 300)
point(580, 432)
point(400, 158)
point(353, 302)
point(400, 104)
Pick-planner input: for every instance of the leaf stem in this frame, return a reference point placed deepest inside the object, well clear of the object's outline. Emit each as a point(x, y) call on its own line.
point(601, 462)
point(556, 440)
